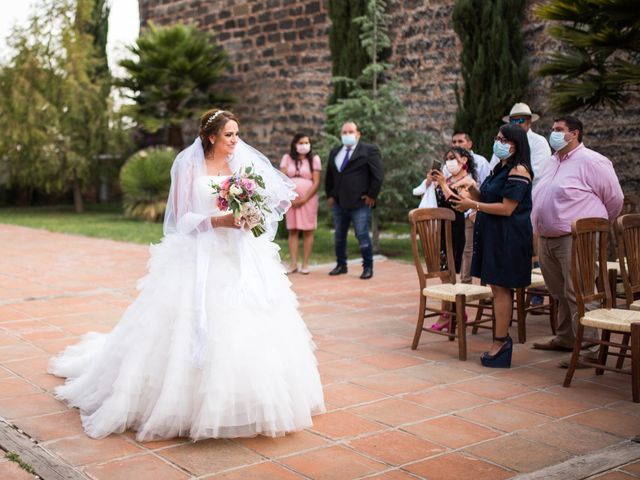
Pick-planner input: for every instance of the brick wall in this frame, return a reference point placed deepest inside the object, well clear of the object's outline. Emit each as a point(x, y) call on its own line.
point(281, 73)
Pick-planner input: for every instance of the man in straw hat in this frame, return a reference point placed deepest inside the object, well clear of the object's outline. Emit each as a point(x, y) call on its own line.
point(522, 116)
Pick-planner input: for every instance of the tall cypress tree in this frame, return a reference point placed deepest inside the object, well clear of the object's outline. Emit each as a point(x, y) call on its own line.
point(348, 56)
point(494, 67)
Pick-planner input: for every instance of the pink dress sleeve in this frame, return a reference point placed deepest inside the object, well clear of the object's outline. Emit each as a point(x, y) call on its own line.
point(285, 160)
point(317, 164)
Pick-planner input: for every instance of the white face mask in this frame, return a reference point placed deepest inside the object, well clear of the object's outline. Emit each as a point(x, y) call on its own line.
point(557, 140)
point(348, 139)
point(453, 166)
point(303, 148)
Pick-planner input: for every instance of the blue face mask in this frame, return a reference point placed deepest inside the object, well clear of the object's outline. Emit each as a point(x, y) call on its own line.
point(557, 141)
point(501, 150)
point(348, 140)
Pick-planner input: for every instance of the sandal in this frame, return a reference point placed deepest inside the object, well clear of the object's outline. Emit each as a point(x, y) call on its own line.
point(304, 271)
point(292, 270)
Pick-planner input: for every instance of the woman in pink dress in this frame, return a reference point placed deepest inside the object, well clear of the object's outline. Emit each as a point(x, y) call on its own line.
point(303, 168)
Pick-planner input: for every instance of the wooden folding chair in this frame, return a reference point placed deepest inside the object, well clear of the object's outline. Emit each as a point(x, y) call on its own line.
point(426, 238)
point(590, 282)
point(628, 240)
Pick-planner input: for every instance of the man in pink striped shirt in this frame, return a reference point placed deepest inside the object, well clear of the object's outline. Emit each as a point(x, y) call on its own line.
point(577, 183)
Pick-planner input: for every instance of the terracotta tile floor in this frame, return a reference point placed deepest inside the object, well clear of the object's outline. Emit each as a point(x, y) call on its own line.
point(393, 413)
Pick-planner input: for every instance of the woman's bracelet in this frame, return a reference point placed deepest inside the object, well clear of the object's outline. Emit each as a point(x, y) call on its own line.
point(477, 206)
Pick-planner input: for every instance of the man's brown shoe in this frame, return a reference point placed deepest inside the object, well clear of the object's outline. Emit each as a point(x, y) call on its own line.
point(551, 345)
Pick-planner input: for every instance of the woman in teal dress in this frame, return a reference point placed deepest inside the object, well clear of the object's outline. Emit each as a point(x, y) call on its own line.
point(503, 236)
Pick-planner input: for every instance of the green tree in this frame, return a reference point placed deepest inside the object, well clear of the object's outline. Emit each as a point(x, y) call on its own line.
point(493, 65)
point(49, 102)
point(374, 102)
point(173, 77)
point(599, 65)
point(348, 57)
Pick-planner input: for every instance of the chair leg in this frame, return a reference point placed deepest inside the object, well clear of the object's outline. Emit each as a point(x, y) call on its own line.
point(604, 351)
point(462, 327)
point(420, 323)
point(454, 321)
point(479, 312)
point(553, 314)
point(573, 363)
point(623, 350)
point(635, 361)
point(521, 315)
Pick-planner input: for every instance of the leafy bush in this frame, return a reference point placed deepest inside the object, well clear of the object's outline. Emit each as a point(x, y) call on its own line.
point(145, 180)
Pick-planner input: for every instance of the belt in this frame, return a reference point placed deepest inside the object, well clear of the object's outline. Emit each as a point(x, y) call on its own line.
point(551, 238)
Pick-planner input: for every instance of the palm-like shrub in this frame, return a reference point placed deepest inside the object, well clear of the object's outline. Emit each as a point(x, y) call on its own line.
point(145, 181)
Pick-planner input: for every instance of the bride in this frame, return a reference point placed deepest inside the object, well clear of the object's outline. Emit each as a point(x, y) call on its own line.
point(213, 346)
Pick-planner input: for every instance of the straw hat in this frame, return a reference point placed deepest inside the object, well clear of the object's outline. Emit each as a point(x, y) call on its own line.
point(521, 109)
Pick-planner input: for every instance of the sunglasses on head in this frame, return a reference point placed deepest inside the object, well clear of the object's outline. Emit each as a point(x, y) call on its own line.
point(517, 121)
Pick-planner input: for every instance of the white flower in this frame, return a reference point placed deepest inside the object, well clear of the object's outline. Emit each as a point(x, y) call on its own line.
point(251, 214)
point(235, 190)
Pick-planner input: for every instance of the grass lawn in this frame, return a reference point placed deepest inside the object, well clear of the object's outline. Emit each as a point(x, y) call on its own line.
point(107, 221)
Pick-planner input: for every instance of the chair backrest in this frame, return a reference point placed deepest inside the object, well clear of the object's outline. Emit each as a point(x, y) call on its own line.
point(589, 262)
point(628, 235)
point(426, 243)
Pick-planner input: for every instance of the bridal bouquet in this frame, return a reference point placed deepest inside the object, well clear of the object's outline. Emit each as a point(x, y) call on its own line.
point(241, 193)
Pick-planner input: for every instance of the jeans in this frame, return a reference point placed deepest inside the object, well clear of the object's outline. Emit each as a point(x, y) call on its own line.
point(360, 217)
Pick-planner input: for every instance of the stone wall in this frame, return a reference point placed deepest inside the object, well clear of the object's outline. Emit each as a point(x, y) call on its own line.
point(281, 74)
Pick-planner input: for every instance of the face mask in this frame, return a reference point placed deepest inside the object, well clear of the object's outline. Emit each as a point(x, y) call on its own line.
point(303, 148)
point(453, 166)
point(348, 140)
point(557, 141)
point(501, 150)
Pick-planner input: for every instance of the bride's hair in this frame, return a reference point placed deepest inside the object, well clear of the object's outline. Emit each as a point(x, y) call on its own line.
point(211, 122)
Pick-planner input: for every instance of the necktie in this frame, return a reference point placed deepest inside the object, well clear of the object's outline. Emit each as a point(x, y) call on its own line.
point(346, 159)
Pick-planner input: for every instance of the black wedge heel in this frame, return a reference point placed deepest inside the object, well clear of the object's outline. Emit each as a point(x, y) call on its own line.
point(502, 359)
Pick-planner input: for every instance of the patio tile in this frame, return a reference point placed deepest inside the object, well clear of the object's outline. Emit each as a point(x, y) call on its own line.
point(446, 399)
point(392, 475)
point(82, 449)
point(332, 463)
point(13, 387)
point(390, 361)
point(392, 383)
point(533, 377)
point(276, 447)
point(591, 393)
point(12, 471)
point(29, 405)
point(261, 471)
point(347, 369)
point(553, 405)
point(9, 340)
point(345, 349)
point(29, 367)
point(387, 342)
point(142, 467)
point(395, 448)
point(51, 427)
point(347, 394)
point(394, 412)
point(439, 373)
point(210, 456)
point(451, 431)
point(608, 421)
point(458, 466)
point(503, 417)
point(491, 388)
point(616, 475)
point(570, 437)
point(337, 425)
point(518, 454)
point(17, 352)
point(633, 468)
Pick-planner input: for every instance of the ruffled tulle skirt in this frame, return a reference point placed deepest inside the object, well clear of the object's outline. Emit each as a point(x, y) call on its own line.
point(258, 374)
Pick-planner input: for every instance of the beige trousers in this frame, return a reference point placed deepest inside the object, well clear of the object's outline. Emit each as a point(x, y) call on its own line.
point(467, 254)
point(555, 261)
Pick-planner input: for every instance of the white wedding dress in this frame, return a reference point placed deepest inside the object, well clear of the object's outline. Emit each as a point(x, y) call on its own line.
point(256, 372)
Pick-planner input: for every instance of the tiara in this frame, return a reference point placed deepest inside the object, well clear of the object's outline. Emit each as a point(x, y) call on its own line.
point(212, 118)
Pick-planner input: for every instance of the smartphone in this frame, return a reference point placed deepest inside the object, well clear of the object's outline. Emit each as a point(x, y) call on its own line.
point(436, 165)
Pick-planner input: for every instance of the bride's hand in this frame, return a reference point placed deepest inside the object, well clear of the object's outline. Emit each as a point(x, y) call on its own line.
point(227, 221)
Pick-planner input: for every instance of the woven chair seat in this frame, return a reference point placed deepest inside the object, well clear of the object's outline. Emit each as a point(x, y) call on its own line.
point(537, 281)
point(617, 320)
point(635, 305)
point(448, 291)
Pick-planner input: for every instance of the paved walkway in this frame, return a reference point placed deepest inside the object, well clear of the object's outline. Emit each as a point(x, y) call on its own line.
point(393, 413)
